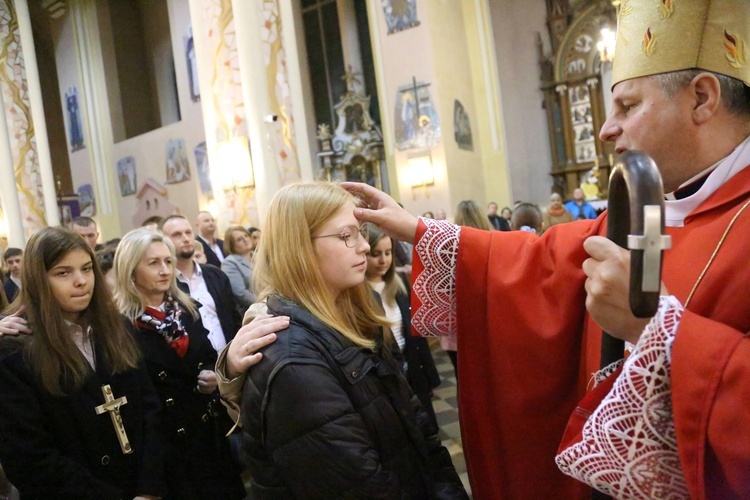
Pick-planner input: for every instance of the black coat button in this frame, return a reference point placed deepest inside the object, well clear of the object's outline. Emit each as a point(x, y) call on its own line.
point(169, 402)
point(181, 431)
point(162, 375)
point(105, 460)
point(355, 374)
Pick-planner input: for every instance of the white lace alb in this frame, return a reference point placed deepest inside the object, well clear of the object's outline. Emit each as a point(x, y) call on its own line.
point(435, 287)
point(629, 447)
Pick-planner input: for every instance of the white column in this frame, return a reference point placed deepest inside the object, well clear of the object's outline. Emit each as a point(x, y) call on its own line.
point(203, 60)
point(350, 37)
point(99, 127)
point(8, 189)
point(37, 113)
point(247, 24)
point(304, 113)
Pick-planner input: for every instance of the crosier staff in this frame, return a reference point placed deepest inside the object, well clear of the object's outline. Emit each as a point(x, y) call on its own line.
point(635, 220)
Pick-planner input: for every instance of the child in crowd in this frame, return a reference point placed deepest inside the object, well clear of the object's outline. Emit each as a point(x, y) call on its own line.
point(527, 217)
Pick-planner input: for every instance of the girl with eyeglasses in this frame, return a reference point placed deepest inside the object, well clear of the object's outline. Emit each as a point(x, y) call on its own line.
point(327, 412)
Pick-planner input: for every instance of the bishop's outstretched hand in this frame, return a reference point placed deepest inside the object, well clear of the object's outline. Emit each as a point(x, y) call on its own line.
point(383, 211)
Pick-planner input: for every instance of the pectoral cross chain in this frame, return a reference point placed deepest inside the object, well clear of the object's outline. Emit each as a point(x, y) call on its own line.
point(112, 406)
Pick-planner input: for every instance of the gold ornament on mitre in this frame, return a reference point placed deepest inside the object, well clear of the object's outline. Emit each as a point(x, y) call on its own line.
point(661, 36)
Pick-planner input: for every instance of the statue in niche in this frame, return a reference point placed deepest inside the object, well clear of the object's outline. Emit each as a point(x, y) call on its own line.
point(75, 128)
point(354, 150)
point(192, 66)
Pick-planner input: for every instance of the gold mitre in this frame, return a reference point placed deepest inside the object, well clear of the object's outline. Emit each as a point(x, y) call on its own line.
point(661, 36)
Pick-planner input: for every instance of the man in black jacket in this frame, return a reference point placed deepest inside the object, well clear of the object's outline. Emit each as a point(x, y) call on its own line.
point(14, 261)
point(213, 247)
point(205, 283)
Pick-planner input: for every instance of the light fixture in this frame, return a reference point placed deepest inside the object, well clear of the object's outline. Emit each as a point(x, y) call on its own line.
point(234, 167)
point(420, 170)
point(606, 45)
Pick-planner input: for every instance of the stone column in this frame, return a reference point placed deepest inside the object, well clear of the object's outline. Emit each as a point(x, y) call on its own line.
point(8, 192)
point(20, 133)
point(37, 113)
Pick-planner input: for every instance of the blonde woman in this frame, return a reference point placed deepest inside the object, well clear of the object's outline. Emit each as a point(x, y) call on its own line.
point(326, 412)
point(180, 360)
point(468, 213)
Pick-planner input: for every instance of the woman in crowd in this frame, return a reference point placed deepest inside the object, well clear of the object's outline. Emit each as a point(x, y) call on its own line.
point(527, 217)
point(326, 412)
point(506, 213)
point(382, 277)
point(468, 213)
point(180, 361)
point(64, 388)
point(556, 212)
point(238, 266)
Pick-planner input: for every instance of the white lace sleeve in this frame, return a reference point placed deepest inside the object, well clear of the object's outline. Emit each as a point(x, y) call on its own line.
point(435, 287)
point(629, 447)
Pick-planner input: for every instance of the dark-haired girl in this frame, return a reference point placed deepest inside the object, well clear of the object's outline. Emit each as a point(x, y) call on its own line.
point(78, 411)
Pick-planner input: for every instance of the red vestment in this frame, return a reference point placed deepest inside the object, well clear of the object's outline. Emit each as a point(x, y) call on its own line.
point(528, 349)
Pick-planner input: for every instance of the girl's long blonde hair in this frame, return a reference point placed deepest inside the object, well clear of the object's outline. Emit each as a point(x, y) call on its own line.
point(285, 261)
point(468, 213)
point(129, 253)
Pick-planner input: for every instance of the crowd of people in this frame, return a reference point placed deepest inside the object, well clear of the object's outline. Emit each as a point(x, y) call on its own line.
point(110, 385)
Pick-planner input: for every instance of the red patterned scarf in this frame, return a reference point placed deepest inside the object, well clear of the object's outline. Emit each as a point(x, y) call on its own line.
point(167, 323)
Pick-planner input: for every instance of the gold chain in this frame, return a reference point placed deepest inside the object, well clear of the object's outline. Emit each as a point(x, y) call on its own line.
point(716, 251)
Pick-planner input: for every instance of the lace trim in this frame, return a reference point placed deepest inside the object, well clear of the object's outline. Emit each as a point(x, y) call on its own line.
point(435, 287)
point(629, 447)
point(601, 375)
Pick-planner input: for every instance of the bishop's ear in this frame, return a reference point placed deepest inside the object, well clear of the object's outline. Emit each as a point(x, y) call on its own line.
point(706, 92)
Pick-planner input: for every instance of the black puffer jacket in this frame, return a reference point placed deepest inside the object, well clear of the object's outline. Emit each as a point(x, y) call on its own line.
point(324, 418)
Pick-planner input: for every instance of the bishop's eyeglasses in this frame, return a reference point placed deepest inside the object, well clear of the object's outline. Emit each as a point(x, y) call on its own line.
point(348, 234)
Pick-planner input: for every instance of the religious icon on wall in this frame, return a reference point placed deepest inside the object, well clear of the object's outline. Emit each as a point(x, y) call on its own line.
point(400, 15)
point(583, 124)
point(126, 175)
point(204, 172)
point(417, 125)
point(178, 168)
point(86, 201)
point(73, 113)
point(192, 66)
point(462, 127)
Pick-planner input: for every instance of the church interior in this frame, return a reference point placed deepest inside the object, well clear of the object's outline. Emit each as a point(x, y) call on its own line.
point(123, 110)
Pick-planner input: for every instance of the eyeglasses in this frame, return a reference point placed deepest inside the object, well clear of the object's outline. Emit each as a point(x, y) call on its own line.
point(348, 234)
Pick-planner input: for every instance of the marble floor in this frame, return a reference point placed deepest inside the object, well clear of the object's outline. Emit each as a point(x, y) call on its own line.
point(446, 410)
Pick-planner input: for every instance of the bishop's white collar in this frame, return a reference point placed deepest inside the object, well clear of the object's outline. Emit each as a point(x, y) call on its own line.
point(721, 172)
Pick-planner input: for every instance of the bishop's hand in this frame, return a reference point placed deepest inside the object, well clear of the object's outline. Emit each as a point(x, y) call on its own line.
point(383, 211)
point(608, 289)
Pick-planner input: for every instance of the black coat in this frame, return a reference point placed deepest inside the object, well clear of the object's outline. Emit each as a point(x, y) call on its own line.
point(221, 291)
point(58, 447)
point(11, 290)
point(194, 424)
point(421, 371)
point(324, 418)
point(211, 256)
point(499, 223)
